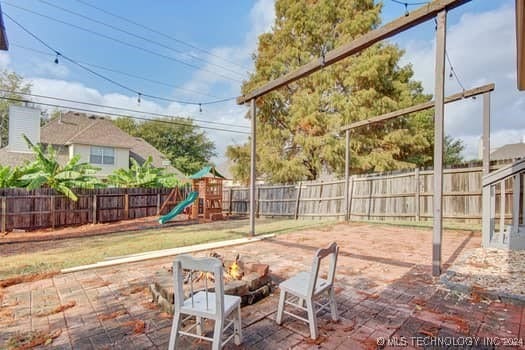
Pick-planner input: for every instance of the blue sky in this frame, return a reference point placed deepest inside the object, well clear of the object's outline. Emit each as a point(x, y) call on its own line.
point(481, 45)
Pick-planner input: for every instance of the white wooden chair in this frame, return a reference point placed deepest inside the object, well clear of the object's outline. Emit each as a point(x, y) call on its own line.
point(307, 286)
point(225, 310)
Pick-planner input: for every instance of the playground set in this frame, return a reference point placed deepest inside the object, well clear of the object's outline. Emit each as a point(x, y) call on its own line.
point(203, 202)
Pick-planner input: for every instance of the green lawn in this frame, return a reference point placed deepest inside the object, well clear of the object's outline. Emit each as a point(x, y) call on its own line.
point(82, 251)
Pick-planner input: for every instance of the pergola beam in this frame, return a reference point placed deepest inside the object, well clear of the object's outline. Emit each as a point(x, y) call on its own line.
point(398, 25)
point(520, 42)
point(421, 107)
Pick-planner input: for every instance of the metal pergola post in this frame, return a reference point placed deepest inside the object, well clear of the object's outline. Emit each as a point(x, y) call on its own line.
point(347, 172)
point(252, 167)
point(439, 92)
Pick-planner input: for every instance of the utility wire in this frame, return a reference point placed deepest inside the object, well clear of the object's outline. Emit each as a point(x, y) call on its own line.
point(116, 108)
point(121, 115)
point(113, 70)
point(137, 92)
point(122, 42)
point(136, 35)
point(158, 32)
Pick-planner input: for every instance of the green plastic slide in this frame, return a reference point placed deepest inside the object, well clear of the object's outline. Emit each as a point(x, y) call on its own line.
point(179, 208)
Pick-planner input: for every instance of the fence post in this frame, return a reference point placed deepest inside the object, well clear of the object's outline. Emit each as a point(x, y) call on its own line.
point(126, 206)
point(258, 202)
point(320, 199)
point(230, 195)
point(158, 203)
point(52, 210)
point(350, 195)
point(298, 200)
point(417, 191)
point(4, 214)
point(94, 207)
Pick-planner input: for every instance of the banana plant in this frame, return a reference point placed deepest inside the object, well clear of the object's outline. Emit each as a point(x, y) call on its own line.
point(12, 176)
point(145, 176)
point(46, 171)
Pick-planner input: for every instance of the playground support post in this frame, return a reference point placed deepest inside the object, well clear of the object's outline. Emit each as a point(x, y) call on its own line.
point(252, 168)
point(437, 234)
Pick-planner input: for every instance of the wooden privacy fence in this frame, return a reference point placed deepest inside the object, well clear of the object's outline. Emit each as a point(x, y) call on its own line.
point(404, 196)
point(45, 208)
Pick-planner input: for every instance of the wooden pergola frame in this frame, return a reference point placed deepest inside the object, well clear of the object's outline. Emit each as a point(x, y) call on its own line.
point(520, 42)
point(484, 90)
point(436, 9)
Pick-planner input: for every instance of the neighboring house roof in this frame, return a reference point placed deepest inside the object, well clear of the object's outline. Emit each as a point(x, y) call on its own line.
point(79, 128)
point(225, 169)
point(510, 151)
point(141, 149)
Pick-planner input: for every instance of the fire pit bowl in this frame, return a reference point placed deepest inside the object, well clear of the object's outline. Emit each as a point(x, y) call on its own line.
point(243, 277)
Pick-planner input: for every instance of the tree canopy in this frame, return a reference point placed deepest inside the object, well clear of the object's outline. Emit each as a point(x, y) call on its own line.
point(298, 125)
point(188, 148)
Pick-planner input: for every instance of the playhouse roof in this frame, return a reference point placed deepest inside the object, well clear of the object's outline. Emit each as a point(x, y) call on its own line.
point(207, 171)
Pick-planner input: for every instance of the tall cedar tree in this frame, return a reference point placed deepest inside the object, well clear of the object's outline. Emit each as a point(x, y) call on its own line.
point(297, 132)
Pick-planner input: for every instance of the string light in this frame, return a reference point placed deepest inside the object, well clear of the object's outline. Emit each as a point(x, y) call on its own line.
point(122, 109)
point(200, 107)
point(56, 58)
point(138, 97)
point(120, 115)
point(113, 81)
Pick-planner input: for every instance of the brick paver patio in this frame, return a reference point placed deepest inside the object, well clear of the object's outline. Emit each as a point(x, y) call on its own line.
point(384, 289)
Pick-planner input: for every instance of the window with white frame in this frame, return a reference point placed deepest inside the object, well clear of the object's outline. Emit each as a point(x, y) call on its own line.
point(102, 155)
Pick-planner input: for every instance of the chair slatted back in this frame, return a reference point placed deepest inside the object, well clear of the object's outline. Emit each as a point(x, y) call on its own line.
point(204, 265)
point(331, 251)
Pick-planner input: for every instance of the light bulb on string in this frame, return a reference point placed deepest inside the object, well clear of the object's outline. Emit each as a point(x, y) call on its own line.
point(200, 107)
point(451, 75)
point(138, 98)
point(406, 9)
point(56, 58)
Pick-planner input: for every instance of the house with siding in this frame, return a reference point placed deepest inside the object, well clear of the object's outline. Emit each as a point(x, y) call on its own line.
point(96, 139)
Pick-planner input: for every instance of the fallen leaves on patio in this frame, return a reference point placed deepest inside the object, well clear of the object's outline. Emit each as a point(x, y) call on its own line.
point(429, 331)
point(320, 339)
point(138, 326)
point(26, 278)
point(149, 305)
point(368, 295)
point(112, 315)
point(29, 340)
point(57, 309)
point(462, 325)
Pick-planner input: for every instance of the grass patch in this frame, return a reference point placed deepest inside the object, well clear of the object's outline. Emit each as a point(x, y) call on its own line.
point(89, 250)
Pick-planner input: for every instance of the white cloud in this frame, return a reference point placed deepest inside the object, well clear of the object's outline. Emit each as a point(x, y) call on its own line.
point(5, 60)
point(51, 69)
point(482, 47)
